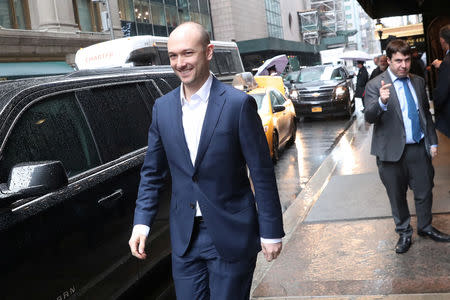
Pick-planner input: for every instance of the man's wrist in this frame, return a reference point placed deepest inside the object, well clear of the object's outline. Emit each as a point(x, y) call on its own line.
point(140, 229)
point(270, 241)
point(382, 105)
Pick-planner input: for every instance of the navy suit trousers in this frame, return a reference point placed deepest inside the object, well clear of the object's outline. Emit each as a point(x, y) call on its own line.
point(202, 274)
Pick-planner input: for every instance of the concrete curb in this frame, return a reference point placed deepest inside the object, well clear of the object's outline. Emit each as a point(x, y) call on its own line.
point(300, 207)
point(369, 297)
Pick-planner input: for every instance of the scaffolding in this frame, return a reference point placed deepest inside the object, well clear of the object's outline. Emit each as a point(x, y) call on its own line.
point(325, 19)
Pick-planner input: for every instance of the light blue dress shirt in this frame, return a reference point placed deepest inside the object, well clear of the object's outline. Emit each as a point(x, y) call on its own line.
point(398, 85)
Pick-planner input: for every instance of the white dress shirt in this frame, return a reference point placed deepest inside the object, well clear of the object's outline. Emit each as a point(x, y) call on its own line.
point(193, 116)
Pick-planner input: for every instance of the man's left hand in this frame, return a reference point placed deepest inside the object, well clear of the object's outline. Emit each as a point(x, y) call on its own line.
point(271, 251)
point(433, 152)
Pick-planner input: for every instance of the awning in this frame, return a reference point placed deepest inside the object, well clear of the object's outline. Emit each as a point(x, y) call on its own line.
point(14, 70)
point(388, 8)
point(274, 44)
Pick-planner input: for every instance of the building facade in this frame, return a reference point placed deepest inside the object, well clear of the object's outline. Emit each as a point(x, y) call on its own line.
point(262, 29)
point(41, 37)
point(357, 19)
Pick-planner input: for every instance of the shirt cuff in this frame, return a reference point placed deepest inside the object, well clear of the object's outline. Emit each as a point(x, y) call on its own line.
point(270, 241)
point(434, 146)
point(140, 229)
point(382, 105)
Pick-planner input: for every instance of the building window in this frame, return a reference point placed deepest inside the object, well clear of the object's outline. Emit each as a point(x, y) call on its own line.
point(161, 17)
point(15, 14)
point(273, 15)
point(87, 15)
point(126, 10)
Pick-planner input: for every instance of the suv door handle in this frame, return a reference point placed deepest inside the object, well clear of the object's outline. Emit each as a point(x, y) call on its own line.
point(116, 195)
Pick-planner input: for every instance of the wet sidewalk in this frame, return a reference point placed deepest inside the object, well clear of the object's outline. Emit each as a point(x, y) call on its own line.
point(340, 234)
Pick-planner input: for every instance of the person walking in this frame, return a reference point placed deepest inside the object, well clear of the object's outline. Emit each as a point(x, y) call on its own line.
point(206, 134)
point(404, 141)
point(382, 66)
point(417, 65)
point(441, 94)
point(361, 80)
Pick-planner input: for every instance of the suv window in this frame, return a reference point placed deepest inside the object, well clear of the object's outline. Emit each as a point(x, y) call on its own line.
point(223, 60)
point(163, 56)
point(52, 129)
point(343, 73)
point(336, 74)
point(119, 118)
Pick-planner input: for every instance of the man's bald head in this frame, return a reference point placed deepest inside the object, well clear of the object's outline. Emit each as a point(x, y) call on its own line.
point(191, 28)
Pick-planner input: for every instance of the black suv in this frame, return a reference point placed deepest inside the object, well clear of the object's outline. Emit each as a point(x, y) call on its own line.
point(71, 149)
point(324, 89)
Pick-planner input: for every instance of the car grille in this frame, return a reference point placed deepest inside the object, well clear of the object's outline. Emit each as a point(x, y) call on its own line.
point(316, 95)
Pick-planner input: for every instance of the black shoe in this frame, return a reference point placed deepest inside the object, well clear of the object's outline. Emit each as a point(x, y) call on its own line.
point(403, 244)
point(435, 235)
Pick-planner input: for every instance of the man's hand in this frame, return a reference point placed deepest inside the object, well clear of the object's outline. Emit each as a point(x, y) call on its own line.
point(436, 63)
point(433, 152)
point(384, 92)
point(137, 245)
point(271, 251)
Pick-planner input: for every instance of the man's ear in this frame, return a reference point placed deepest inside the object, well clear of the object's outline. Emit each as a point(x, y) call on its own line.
point(209, 51)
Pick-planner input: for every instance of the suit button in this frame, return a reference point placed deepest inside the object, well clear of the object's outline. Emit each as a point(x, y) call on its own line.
point(192, 205)
point(195, 178)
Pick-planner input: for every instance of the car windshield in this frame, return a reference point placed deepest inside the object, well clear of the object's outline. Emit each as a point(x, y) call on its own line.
point(314, 74)
point(292, 76)
point(262, 102)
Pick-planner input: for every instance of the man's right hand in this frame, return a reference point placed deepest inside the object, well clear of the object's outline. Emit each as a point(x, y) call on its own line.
point(384, 92)
point(436, 63)
point(137, 245)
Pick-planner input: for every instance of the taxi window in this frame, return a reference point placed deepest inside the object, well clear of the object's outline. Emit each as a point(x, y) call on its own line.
point(52, 129)
point(279, 98)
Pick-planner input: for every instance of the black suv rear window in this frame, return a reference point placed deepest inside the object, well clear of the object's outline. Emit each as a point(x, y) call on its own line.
point(119, 118)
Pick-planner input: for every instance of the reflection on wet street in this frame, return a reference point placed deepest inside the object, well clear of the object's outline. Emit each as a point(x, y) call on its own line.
point(315, 139)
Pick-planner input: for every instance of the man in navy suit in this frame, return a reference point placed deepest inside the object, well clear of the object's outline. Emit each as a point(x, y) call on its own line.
point(206, 134)
point(441, 93)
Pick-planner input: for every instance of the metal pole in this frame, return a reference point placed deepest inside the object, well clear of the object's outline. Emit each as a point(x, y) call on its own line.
point(111, 30)
point(380, 34)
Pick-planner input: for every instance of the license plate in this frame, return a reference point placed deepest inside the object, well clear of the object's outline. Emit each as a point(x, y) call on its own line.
point(316, 109)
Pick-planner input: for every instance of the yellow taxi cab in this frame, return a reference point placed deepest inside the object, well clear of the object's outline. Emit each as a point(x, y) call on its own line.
point(276, 111)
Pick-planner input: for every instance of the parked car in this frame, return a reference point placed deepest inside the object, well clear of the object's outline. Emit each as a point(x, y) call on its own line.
point(276, 111)
point(71, 149)
point(324, 89)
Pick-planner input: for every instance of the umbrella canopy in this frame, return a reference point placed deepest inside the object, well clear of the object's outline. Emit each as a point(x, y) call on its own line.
point(355, 55)
point(279, 62)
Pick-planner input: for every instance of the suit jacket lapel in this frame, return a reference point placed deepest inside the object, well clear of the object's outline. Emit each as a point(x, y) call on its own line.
point(213, 111)
point(179, 130)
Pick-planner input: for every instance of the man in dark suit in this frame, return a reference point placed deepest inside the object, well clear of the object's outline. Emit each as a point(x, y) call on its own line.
point(404, 141)
point(361, 80)
point(441, 94)
point(207, 134)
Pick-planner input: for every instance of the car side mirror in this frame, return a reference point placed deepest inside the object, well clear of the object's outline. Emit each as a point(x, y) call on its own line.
point(351, 76)
point(278, 108)
point(32, 179)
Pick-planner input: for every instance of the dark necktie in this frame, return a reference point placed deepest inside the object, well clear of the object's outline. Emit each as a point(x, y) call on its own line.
point(413, 113)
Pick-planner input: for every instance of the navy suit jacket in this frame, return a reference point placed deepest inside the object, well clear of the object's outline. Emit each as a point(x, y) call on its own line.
point(232, 138)
point(442, 97)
